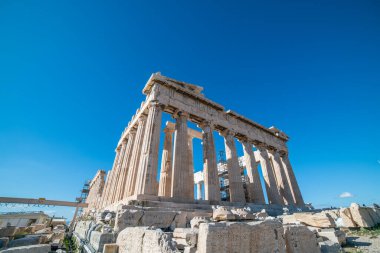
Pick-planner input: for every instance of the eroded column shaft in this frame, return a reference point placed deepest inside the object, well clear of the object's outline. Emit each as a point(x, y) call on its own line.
point(292, 180)
point(146, 182)
point(269, 177)
point(165, 183)
point(234, 176)
point(180, 172)
point(210, 169)
point(135, 158)
point(254, 187)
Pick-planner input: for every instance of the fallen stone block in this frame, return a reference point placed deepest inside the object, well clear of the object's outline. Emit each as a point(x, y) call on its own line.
point(335, 236)
point(41, 248)
point(321, 220)
point(361, 216)
point(127, 218)
point(345, 215)
point(330, 247)
point(28, 240)
point(143, 239)
point(160, 219)
point(242, 214)
point(300, 239)
point(196, 221)
point(222, 214)
point(185, 237)
point(110, 248)
point(98, 239)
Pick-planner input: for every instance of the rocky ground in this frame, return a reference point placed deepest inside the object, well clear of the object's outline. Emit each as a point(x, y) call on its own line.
point(363, 240)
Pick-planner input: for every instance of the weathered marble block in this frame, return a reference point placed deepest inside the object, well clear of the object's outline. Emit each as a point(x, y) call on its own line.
point(98, 239)
point(300, 239)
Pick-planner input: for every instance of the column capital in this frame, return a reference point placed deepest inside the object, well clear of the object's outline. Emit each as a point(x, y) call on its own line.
point(168, 130)
point(156, 103)
point(205, 124)
point(141, 118)
point(181, 114)
point(227, 133)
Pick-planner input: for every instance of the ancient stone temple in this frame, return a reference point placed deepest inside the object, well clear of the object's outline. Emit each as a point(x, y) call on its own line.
point(134, 175)
point(154, 201)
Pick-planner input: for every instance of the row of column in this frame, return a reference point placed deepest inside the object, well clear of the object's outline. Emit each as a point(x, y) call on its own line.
point(134, 170)
point(135, 167)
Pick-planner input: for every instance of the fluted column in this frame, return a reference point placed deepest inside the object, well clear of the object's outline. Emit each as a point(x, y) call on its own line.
point(190, 180)
point(118, 170)
point(199, 191)
point(125, 165)
point(146, 182)
point(112, 177)
point(210, 169)
point(254, 188)
point(105, 190)
point(135, 158)
point(165, 184)
point(282, 181)
point(269, 176)
point(180, 172)
point(234, 176)
point(292, 180)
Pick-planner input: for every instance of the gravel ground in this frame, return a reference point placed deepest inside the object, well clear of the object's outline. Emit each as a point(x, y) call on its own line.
point(367, 244)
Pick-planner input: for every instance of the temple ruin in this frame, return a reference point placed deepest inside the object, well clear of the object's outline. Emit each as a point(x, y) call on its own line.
point(135, 170)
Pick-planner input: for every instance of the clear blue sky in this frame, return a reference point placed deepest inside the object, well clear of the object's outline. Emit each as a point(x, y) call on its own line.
point(71, 75)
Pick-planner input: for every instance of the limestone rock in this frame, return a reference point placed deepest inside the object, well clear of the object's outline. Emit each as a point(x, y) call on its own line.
point(99, 239)
point(212, 238)
point(127, 218)
point(82, 227)
point(41, 248)
point(267, 236)
point(130, 239)
point(143, 239)
point(110, 248)
point(262, 215)
point(196, 221)
point(255, 237)
point(160, 219)
point(330, 247)
point(156, 241)
point(242, 214)
point(222, 214)
point(185, 237)
point(300, 239)
point(335, 236)
point(346, 217)
point(361, 216)
point(321, 220)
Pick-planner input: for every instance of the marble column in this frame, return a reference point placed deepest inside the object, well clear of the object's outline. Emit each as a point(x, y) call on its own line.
point(180, 172)
point(210, 169)
point(292, 180)
point(234, 175)
point(146, 182)
point(282, 181)
point(165, 184)
point(190, 180)
point(117, 176)
point(254, 188)
point(105, 190)
point(125, 165)
point(112, 176)
point(135, 158)
point(199, 191)
point(268, 174)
